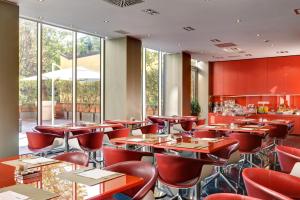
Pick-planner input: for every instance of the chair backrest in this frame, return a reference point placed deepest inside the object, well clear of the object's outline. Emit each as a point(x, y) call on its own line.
point(187, 124)
point(248, 142)
point(225, 153)
point(280, 131)
point(139, 169)
point(204, 134)
point(124, 132)
point(91, 142)
point(229, 196)
point(38, 140)
point(77, 158)
point(287, 157)
point(149, 129)
point(116, 155)
point(268, 184)
point(178, 171)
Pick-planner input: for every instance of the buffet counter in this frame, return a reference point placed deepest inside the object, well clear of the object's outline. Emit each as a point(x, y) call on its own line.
point(214, 118)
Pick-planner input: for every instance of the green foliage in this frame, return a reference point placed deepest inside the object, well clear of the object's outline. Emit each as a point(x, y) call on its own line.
point(195, 107)
point(152, 80)
point(28, 92)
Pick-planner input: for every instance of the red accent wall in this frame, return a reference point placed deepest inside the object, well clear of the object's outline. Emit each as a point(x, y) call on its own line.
point(272, 76)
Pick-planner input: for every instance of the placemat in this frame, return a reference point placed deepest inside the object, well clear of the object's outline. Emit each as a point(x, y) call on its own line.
point(75, 177)
point(30, 191)
point(18, 162)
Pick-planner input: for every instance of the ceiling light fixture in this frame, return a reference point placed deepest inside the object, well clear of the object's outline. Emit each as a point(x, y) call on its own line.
point(189, 28)
point(282, 52)
point(151, 11)
point(266, 41)
point(238, 21)
point(215, 40)
point(257, 35)
point(106, 21)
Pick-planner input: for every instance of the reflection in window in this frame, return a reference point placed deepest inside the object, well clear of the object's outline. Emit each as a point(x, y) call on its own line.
point(88, 78)
point(27, 77)
point(152, 82)
point(56, 75)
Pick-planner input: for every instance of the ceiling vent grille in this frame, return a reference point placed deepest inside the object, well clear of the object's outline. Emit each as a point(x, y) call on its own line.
point(225, 45)
point(122, 32)
point(124, 3)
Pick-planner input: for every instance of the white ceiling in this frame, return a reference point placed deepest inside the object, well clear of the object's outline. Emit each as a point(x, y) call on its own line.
point(274, 20)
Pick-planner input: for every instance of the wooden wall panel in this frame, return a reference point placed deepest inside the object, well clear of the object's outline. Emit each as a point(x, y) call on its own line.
point(186, 84)
point(9, 79)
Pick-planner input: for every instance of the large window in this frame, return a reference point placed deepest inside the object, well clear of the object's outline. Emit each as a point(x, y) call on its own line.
point(27, 76)
point(61, 80)
point(153, 64)
point(88, 78)
point(57, 54)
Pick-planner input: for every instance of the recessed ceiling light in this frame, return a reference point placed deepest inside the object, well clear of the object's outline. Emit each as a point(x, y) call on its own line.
point(150, 11)
point(257, 35)
point(41, 0)
point(238, 21)
point(189, 28)
point(297, 11)
point(105, 37)
point(106, 21)
point(282, 52)
point(215, 40)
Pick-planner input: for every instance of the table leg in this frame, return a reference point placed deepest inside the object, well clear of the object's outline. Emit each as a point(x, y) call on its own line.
point(66, 141)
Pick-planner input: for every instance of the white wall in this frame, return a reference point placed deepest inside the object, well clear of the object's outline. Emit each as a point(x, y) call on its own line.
point(203, 87)
point(173, 84)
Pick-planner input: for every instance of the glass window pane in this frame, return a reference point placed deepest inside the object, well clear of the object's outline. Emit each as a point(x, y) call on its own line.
point(152, 81)
point(88, 78)
point(193, 84)
point(56, 75)
point(27, 77)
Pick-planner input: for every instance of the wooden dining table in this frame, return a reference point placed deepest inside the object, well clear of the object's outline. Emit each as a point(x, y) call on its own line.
point(65, 130)
point(126, 123)
point(50, 181)
point(177, 142)
point(252, 129)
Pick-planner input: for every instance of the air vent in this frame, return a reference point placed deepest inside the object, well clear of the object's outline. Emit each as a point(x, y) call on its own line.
point(233, 50)
point(225, 45)
point(122, 32)
point(124, 3)
point(297, 11)
point(215, 40)
point(234, 56)
point(282, 52)
point(189, 28)
point(248, 54)
point(218, 57)
point(150, 11)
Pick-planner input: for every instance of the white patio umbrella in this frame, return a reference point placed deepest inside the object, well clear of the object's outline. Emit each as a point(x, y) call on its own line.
point(65, 74)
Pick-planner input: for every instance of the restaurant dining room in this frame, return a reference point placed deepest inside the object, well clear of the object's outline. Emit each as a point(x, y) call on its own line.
point(149, 99)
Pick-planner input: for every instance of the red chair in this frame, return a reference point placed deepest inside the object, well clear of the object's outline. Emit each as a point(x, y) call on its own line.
point(40, 143)
point(124, 132)
point(77, 158)
point(179, 172)
point(250, 144)
point(205, 134)
point(139, 169)
point(91, 143)
point(223, 159)
point(160, 122)
point(268, 184)
point(112, 155)
point(229, 196)
point(287, 157)
point(149, 129)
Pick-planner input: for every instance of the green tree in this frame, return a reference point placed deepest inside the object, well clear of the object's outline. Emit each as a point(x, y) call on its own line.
point(152, 81)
